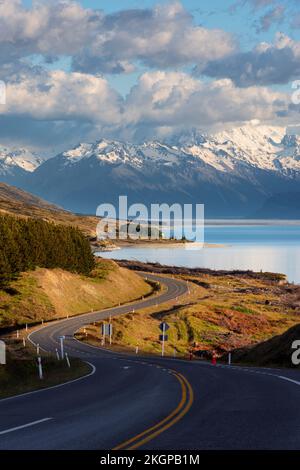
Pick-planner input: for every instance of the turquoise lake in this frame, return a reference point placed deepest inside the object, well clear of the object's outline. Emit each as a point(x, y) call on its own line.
point(256, 246)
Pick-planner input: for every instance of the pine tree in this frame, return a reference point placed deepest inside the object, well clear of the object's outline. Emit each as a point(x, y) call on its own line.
point(27, 244)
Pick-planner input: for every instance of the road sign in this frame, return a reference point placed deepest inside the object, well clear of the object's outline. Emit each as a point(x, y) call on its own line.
point(106, 329)
point(164, 326)
point(163, 337)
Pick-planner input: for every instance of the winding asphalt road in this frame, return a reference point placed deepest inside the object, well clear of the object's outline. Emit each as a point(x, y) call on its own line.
point(141, 403)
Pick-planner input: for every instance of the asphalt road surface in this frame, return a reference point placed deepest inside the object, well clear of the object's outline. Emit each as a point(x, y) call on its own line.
point(130, 402)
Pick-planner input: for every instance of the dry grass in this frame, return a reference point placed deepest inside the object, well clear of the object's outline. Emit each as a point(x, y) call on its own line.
point(20, 374)
point(19, 203)
point(48, 294)
point(220, 313)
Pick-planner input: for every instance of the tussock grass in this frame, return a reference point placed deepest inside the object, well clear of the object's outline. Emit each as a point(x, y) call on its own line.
point(20, 374)
point(46, 294)
point(221, 313)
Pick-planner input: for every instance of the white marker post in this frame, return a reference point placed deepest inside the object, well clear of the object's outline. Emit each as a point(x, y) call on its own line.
point(68, 361)
point(26, 327)
point(40, 368)
point(137, 350)
point(163, 341)
point(18, 334)
point(57, 354)
point(110, 331)
point(38, 349)
point(103, 334)
point(24, 342)
point(163, 337)
point(229, 359)
point(62, 353)
point(2, 353)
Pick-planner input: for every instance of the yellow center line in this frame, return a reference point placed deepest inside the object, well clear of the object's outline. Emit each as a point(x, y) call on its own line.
point(183, 407)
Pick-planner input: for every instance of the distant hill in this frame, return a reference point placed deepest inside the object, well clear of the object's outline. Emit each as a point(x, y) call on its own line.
point(280, 206)
point(17, 202)
point(276, 351)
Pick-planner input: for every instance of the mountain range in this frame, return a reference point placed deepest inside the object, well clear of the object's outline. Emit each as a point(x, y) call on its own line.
point(241, 172)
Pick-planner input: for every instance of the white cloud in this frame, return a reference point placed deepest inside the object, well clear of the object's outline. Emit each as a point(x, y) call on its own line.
point(163, 36)
point(266, 64)
point(50, 28)
point(85, 106)
point(58, 95)
point(176, 100)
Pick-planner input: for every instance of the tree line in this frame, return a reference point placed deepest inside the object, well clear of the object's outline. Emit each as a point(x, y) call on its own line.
point(29, 243)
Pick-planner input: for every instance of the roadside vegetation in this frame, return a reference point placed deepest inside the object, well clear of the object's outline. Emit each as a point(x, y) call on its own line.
point(20, 374)
point(48, 294)
point(221, 313)
point(276, 351)
point(27, 244)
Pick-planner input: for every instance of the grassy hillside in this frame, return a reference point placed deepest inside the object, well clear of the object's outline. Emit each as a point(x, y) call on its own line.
point(221, 313)
point(16, 202)
point(47, 294)
point(276, 351)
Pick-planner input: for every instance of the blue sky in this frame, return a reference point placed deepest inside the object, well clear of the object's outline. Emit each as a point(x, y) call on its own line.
point(81, 70)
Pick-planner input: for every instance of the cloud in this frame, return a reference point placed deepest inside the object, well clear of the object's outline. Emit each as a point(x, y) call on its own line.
point(273, 16)
point(267, 64)
point(260, 3)
point(174, 100)
point(57, 95)
point(51, 28)
point(163, 36)
point(58, 108)
point(53, 110)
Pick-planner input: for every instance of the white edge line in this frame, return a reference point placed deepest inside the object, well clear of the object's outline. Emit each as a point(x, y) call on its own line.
point(33, 423)
point(289, 380)
point(107, 309)
point(53, 386)
point(70, 381)
point(32, 342)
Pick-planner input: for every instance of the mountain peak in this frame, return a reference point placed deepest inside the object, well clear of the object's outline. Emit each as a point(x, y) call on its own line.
point(21, 159)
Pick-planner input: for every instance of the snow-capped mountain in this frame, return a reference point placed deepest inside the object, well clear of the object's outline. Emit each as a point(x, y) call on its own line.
point(233, 172)
point(266, 148)
point(17, 160)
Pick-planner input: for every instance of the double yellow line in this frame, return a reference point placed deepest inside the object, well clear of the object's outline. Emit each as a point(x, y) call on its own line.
point(187, 398)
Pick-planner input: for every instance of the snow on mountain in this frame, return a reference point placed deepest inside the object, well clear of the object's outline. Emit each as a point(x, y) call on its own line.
point(233, 172)
point(12, 160)
point(262, 147)
point(116, 152)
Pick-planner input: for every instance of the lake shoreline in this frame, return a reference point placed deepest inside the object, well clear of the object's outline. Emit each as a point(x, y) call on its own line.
point(266, 248)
